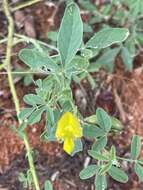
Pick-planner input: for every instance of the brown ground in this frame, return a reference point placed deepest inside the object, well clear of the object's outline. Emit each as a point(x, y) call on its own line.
point(121, 94)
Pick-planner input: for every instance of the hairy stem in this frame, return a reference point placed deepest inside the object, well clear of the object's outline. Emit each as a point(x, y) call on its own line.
point(13, 90)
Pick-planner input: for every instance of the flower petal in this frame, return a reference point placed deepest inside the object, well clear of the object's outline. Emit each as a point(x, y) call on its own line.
point(75, 125)
point(62, 125)
point(69, 145)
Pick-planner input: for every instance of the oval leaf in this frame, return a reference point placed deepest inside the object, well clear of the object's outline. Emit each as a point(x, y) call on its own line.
point(100, 182)
point(70, 33)
point(139, 171)
point(135, 147)
point(104, 120)
point(127, 59)
point(78, 147)
point(48, 185)
point(108, 36)
point(36, 59)
point(26, 112)
point(107, 59)
point(36, 116)
point(97, 155)
point(91, 131)
point(113, 153)
point(118, 174)
point(88, 172)
point(33, 99)
point(80, 63)
point(100, 144)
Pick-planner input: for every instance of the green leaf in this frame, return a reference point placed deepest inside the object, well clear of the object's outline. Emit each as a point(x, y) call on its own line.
point(135, 147)
point(80, 63)
point(87, 53)
point(87, 5)
point(29, 178)
point(28, 79)
point(48, 185)
point(108, 36)
point(140, 161)
point(118, 174)
point(127, 59)
point(91, 119)
point(78, 147)
point(100, 144)
point(21, 177)
point(104, 120)
point(107, 59)
point(97, 155)
point(70, 33)
point(113, 153)
point(100, 182)
point(36, 116)
point(88, 172)
point(116, 124)
point(78, 78)
point(26, 112)
point(94, 67)
point(131, 46)
point(139, 171)
point(135, 7)
point(33, 99)
point(52, 35)
point(49, 134)
point(36, 59)
point(105, 168)
point(87, 28)
point(92, 131)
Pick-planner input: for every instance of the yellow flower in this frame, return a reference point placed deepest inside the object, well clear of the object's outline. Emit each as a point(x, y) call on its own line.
point(68, 130)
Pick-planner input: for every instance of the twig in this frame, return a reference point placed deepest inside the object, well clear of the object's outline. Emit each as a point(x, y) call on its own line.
point(119, 105)
point(34, 41)
point(8, 53)
point(24, 5)
point(22, 38)
point(13, 90)
point(23, 72)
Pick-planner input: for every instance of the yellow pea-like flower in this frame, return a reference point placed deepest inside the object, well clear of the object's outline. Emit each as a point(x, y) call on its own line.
point(68, 130)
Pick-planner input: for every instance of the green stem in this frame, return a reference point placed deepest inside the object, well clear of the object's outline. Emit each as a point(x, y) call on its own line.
point(22, 72)
point(13, 90)
point(8, 54)
point(126, 159)
point(34, 41)
point(25, 4)
point(31, 162)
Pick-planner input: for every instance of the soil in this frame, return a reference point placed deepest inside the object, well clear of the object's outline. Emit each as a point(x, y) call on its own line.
point(120, 94)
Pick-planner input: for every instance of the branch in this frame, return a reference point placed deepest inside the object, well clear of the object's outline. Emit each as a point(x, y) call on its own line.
point(13, 90)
